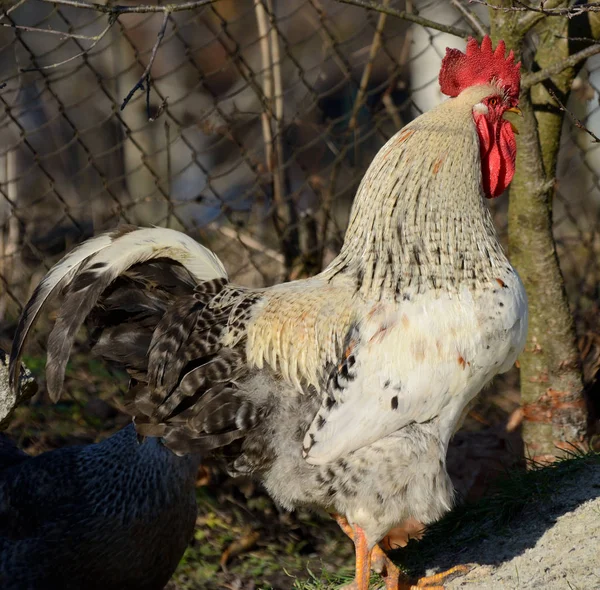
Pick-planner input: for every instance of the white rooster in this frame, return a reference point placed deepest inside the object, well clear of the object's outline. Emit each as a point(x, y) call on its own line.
point(340, 391)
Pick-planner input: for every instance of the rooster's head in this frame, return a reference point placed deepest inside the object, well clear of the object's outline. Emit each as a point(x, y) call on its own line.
point(482, 66)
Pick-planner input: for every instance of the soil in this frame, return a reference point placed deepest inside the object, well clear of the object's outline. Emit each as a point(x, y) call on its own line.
point(554, 545)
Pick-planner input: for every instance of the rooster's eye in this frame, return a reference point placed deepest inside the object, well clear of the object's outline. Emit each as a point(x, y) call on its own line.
point(493, 101)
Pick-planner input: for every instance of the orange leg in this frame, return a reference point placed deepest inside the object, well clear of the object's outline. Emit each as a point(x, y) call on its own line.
point(343, 524)
point(362, 554)
point(380, 562)
point(383, 565)
point(363, 560)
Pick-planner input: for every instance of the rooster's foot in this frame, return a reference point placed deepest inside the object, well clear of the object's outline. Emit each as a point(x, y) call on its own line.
point(436, 581)
point(377, 559)
point(395, 579)
point(389, 571)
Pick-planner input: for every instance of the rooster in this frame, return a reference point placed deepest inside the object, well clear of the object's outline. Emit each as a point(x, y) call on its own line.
point(339, 391)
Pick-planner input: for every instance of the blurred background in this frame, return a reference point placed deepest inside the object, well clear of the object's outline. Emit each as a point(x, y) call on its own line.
point(252, 132)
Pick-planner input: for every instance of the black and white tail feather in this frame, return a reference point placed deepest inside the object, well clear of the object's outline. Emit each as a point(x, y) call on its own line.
point(87, 271)
point(150, 296)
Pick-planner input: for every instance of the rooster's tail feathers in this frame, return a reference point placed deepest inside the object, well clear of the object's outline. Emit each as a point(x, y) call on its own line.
point(87, 271)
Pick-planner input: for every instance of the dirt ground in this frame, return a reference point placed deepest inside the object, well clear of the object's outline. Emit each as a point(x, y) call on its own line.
point(555, 545)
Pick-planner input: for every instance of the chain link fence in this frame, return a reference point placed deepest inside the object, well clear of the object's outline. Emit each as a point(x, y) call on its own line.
point(251, 132)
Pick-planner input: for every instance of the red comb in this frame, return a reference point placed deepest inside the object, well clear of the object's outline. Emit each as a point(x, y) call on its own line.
point(480, 65)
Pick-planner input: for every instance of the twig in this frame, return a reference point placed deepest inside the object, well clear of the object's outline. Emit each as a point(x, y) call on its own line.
point(471, 18)
point(366, 75)
point(119, 9)
point(276, 63)
point(530, 15)
point(530, 80)
point(248, 241)
point(273, 94)
point(585, 39)
point(9, 239)
point(114, 11)
point(267, 77)
point(291, 239)
point(571, 116)
point(569, 12)
point(146, 75)
point(273, 151)
point(327, 36)
point(409, 16)
point(267, 91)
point(111, 21)
point(50, 31)
point(501, 8)
point(169, 167)
point(391, 108)
point(386, 98)
point(529, 19)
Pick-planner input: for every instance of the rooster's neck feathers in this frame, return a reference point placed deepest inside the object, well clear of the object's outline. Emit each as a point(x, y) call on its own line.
point(419, 221)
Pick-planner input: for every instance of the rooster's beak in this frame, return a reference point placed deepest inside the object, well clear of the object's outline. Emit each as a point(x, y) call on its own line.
point(516, 110)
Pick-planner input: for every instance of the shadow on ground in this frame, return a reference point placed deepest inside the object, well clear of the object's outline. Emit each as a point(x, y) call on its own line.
point(513, 526)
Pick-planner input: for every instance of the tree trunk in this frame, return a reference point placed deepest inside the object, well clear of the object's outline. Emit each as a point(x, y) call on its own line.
point(552, 401)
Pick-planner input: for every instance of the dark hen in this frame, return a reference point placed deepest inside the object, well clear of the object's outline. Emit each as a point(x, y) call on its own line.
point(109, 516)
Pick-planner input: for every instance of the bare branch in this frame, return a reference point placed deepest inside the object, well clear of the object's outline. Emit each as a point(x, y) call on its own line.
point(145, 77)
point(291, 239)
point(569, 12)
point(573, 118)
point(114, 11)
point(267, 89)
point(530, 80)
point(409, 16)
point(530, 16)
point(247, 240)
point(111, 21)
point(473, 20)
point(585, 39)
point(530, 19)
point(403, 58)
point(50, 31)
point(366, 75)
point(119, 9)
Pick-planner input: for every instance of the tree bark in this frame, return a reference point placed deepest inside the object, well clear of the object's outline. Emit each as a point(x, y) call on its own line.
point(10, 399)
point(552, 400)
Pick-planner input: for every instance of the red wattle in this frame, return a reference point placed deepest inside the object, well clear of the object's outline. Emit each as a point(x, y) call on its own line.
point(498, 151)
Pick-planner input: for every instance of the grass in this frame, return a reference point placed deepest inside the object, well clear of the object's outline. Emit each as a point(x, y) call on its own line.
point(270, 548)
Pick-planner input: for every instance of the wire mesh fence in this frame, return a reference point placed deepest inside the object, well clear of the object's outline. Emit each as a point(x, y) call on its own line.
point(247, 123)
